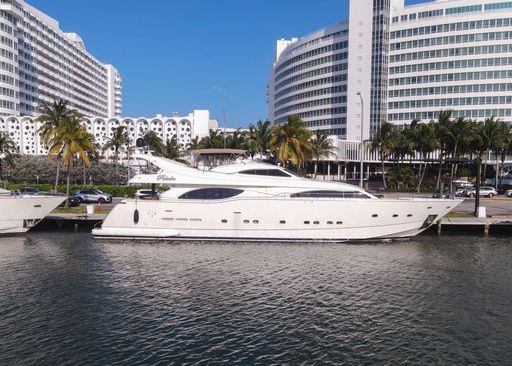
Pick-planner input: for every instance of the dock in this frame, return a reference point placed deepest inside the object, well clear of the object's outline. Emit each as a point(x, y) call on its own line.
point(470, 222)
point(71, 220)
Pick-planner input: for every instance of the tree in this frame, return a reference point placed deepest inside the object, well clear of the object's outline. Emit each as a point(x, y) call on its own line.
point(424, 141)
point(171, 149)
point(444, 121)
point(51, 117)
point(7, 147)
point(381, 142)
point(258, 139)
point(236, 140)
point(489, 132)
point(214, 140)
point(457, 133)
point(71, 140)
point(503, 148)
point(290, 142)
point(119, 141)
point(154, 142)
point(321, 147)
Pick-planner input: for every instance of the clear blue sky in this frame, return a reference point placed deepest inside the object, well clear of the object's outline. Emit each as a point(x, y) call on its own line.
point(180, 55)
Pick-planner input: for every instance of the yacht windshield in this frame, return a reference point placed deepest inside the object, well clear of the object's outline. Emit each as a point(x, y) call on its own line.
point(266, 172)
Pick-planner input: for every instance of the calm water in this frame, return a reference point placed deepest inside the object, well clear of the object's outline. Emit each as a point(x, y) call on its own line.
point(68, 300)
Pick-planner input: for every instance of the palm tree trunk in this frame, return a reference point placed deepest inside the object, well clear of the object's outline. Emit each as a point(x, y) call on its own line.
point(84, 178)
point(57, 176)
point(439, 174)
point(316, 169)
point(420, 176)
point(68, 178)
point(383, 175)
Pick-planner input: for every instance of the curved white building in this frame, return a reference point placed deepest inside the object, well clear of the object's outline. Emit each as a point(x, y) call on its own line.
point(39, 63)
point(406, 62)
point(310, 79)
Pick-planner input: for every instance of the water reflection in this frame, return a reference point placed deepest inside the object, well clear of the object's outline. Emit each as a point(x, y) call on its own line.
point(68, 299)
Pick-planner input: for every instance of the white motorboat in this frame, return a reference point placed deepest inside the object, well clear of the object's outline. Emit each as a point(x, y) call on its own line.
point(251, 201)
point(19, 213)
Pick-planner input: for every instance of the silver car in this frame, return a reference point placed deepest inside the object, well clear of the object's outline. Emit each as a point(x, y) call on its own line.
point(93, 196)
point(484, 192)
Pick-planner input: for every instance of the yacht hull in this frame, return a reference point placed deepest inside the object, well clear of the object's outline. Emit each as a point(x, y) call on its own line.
point(18, 214)
point(257, 219)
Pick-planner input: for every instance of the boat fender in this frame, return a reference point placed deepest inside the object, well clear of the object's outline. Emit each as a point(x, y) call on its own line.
point(136, 216)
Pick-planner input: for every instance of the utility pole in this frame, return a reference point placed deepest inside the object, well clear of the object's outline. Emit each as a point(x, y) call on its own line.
point(224, 134)
point(361, 146)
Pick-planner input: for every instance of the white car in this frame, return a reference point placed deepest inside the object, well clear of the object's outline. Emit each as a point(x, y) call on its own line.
point(148, 194)
point(485, 191)
point(508, 193)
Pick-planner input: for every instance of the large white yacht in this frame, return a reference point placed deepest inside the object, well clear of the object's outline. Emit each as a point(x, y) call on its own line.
point(250, 201)
point(19, 213)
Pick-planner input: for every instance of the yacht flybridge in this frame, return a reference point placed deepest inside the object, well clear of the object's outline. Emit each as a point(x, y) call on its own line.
point(250, 201)
point(19, 213)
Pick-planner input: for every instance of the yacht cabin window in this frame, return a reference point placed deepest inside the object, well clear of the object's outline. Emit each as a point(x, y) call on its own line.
point(211, 194)
point(266, 172)
point(328, 194)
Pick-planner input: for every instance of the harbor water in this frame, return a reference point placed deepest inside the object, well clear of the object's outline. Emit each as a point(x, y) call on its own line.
point(66, 299)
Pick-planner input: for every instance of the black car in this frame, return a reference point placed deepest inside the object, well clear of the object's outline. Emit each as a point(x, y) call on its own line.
point(73, 201)
point(29, 191)
point(438, 194)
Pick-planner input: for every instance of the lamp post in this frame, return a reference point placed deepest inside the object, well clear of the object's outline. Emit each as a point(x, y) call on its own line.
point(361, 147)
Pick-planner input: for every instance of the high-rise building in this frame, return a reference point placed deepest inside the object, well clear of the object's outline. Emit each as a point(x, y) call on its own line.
point(395, 62)
point(39, 63)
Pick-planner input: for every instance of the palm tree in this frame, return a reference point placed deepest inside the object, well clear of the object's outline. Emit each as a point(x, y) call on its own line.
point(290, 142)
point(52, 115)
point(382, 143)
point(154, 142)
point(171, 149)
point(236, 140)
point(71, 140)
point(214, 140)
point(7, 147)
point(193, 144)
point(119, 140)
point(259, 135)
point(424, 141)
point(489, 132)
point(321, 147)
point(444, 121)
point(457, 135)
point(503, 148)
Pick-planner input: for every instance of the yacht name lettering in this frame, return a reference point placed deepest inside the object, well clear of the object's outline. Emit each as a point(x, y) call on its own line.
point(164, 177)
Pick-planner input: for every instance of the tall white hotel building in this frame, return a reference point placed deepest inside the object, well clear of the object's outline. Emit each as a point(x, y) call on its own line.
point(40, 63)
point(407, 63)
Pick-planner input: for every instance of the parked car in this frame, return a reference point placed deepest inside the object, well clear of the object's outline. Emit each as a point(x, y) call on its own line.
point(508, 193)
point(93, 196)
point(485, 191)
point(463, 191)
point(73, 201)
point(29, 191)
point(445, 194)
point(147, 194)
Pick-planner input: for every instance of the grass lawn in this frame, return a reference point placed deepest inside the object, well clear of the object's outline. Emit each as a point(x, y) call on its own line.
point(460, 214)
point(82, 210)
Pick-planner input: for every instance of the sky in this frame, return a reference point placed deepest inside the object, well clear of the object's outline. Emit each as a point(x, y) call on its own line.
point(176, 56)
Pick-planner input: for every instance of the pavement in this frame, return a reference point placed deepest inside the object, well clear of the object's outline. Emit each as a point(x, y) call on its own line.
point(496, 206)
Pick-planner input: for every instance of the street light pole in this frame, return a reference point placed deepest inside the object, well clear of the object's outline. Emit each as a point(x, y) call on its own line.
point(361, 146)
